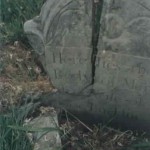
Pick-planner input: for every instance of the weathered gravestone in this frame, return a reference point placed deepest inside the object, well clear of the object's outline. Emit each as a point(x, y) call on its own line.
point(62, 34)
point(119, 78)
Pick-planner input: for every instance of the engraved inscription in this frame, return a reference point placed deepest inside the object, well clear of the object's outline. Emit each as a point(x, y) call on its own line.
point(59, 58)
point(131, 75)
point(69, 68)
point(125, 78)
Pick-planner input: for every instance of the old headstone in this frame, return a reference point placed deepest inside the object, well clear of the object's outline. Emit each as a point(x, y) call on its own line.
point(61, 34)
point(119, 78)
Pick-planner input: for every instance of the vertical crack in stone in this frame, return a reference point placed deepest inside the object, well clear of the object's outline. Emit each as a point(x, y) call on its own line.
point(96, 16)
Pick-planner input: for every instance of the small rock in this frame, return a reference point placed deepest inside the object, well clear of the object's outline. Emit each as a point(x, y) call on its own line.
point(44, 140)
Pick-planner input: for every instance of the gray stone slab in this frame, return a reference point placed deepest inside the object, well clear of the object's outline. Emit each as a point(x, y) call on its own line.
point(62, 33)
point(123, 63)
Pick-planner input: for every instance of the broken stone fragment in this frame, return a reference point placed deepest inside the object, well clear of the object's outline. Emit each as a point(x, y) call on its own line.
point(46, 140)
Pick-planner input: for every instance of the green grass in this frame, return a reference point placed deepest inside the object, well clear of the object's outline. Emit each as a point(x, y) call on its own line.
point(10, 138)
point(13, 132)
point(13, 14)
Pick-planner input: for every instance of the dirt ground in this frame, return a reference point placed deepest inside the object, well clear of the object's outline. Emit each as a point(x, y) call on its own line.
point(20, 73)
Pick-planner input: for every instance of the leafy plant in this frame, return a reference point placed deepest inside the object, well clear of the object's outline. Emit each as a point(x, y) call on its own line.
point(13, 14)
point(10, 138)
